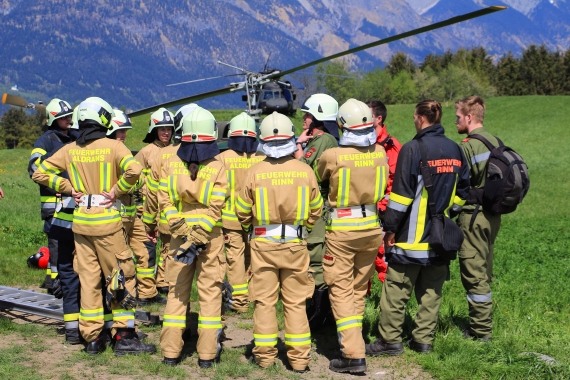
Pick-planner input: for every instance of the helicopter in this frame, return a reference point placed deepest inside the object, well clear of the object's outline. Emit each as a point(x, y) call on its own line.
point(267, 92)
point(265, 97)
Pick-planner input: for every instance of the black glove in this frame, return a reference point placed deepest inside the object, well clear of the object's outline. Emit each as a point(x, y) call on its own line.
point(56, 289)
point(187, 252)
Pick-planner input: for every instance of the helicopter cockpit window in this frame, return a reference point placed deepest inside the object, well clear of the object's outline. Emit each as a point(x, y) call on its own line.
point(271, 95)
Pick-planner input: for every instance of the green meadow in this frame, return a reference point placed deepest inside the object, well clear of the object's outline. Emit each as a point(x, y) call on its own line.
point(531, 287)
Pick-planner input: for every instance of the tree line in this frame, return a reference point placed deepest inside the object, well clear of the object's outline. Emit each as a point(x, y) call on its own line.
point(445, 77)
point(450, 76)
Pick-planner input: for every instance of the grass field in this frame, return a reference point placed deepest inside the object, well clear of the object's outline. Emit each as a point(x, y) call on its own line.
point(531, 290)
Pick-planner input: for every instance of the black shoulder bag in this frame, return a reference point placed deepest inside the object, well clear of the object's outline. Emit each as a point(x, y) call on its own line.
point(445, 237)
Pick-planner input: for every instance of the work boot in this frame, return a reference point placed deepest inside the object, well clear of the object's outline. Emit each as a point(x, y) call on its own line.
point(471, 335)
point(422, 348)
point(206, 363)
point(147, 301)
point(128, 343)
point(162, 290)
point(97, 346)
point(380, 347)
point(72, 336)
point(319, 311)
point(172, 361)
point(344, 365)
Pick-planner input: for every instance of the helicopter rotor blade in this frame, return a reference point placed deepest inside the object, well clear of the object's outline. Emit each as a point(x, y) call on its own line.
point(18, 101)
point(423, 29)
point(260, 78)
point(15, 100)
point(201, 80)
point(182, 101)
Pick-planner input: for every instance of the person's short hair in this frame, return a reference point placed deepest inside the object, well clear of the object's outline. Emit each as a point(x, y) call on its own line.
point(378, 109)
point(430, 109)
point(474, 105)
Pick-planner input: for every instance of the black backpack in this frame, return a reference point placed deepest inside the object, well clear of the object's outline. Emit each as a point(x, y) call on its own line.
point(507, 180)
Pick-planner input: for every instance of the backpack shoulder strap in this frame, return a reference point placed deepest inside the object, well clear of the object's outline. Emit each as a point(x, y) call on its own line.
point(485, 141)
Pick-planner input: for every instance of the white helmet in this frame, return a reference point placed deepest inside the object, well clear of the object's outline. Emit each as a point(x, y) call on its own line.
point(119, 121)
point(354, 114)
point(199, 126)
point(74, 122)
point(242, 125)
point(57, 109)
point(276, 127)
point(181, 113)
point(95, 110)
point(323, 107)
point(159, 118)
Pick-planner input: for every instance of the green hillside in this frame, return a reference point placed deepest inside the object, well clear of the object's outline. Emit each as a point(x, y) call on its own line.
point(531, 291)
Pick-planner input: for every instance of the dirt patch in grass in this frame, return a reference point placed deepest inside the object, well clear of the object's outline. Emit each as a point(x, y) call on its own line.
point(54, 359)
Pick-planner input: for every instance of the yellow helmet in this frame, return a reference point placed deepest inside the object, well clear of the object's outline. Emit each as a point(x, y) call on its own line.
point(354, 114)
point(95, 110)
point(242, 125)
point(276, 127)
point(199, 126)
point(57, 109)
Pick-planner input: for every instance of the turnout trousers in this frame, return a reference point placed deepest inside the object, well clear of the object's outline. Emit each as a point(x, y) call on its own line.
point(476, 267)
point(281, 267)
point(161, 281)
point(69, 280)
point(96, 255)
point(316, 247)
point(348, 265)
point(401, 280)
point(140, 243)
point(51, 270)
point(238, 257)
point(210, 269)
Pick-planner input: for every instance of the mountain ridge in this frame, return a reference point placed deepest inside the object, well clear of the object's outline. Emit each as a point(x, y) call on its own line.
point(127, 53)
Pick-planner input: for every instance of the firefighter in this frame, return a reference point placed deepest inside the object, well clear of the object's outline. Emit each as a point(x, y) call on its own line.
point(413, 264)
point(56, 135)
point(392, 147)
point(66, 284)
point(153, 218)
point(280, 198)
point(479, 226)
point(159, 136)
point(133, 226)
point(192, 193)
point(353, 232)
point(240, 156)
point(320, 132)
point(100, 170)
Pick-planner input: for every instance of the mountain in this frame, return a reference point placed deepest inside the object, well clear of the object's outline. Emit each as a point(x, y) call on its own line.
point(128, 51)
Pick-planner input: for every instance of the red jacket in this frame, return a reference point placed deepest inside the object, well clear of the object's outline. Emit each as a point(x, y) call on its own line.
point(392, 147)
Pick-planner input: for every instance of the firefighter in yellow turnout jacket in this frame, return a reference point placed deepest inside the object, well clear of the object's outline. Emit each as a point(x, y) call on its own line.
point(192, 193)
point(238, 159)
point(160, 131)
point(357, 172)
point(94, 164)
point(133, 226)
point(153, 217)
point(279, 198)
